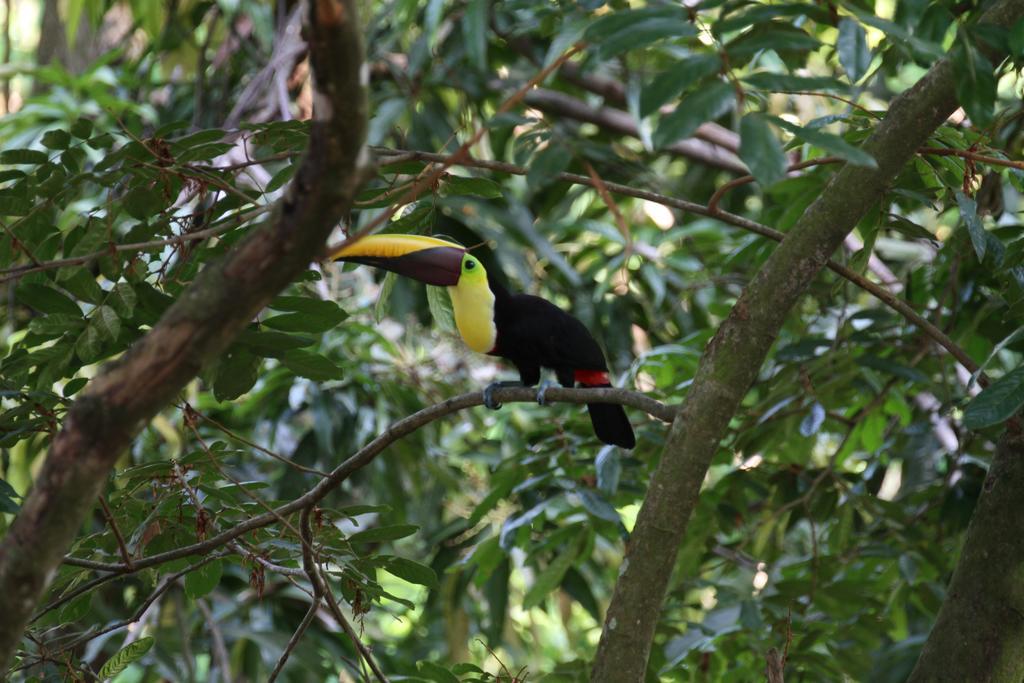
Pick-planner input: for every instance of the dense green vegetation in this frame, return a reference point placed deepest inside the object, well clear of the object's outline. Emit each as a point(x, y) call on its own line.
point(158, 135)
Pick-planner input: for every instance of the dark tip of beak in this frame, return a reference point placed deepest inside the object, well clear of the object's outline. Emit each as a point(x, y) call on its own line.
point(439, 266)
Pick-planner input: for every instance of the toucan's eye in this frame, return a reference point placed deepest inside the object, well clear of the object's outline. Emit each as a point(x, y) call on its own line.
point(470, 265)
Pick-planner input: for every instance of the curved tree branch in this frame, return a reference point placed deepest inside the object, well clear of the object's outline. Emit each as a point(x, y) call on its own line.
point(202, 322)
point(360, 459)
point(733, 357)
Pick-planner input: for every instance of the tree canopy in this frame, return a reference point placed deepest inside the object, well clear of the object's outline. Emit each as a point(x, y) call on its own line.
point(295, 474)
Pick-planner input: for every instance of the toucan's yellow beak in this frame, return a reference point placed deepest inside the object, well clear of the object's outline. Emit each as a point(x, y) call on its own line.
point(427, 259)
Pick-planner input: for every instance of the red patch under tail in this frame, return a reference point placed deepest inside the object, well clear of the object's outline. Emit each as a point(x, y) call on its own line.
point(591, 378)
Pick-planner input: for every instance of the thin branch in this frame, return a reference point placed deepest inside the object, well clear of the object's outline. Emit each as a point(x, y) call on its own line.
point(743, 180)
point(126, 557)
point(220, 650)
point(322, 589)
point(161, 588)
point(555, 102)
point(14, 273)
point(973, 156)
point(367, 453)
point(878, 291)
point(252, 444)
point(294, 640)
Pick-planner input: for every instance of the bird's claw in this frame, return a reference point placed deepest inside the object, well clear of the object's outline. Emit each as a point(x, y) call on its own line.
point(489, 395)
point(544, 386)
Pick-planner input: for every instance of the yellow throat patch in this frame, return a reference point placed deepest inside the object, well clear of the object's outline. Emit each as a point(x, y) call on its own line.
point(473, 306)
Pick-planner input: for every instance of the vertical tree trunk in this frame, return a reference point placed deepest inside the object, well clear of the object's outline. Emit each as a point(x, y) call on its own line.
point(737, 351)
point(201, 323)
point(979, 635)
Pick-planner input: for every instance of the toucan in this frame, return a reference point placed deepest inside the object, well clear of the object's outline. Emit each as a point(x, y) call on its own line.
point(526, 330)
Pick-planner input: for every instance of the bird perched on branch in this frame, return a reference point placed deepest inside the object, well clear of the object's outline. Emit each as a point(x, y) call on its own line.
point(526, 330)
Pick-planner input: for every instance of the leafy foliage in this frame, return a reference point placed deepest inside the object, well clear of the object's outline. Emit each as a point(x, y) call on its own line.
point(833, 515)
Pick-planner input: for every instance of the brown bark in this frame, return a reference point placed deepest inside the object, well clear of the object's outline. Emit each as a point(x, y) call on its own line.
point(979, 634)
point(204, 320)
point(733, 357)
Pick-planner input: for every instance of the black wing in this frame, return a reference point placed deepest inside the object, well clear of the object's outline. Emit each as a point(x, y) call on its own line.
point(533, 330)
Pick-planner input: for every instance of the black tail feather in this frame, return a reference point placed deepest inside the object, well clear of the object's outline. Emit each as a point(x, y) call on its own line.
point(611, 424)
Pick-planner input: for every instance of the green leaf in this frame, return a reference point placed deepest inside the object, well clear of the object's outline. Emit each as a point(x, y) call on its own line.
point(706, 104)
point(833, 144)
point(14, 204)
point(969, 212)
point(596, 505)
point(123, 299)
point(852, 46)
point(975, 83)
point(777, 36)
point(143, 203)
point(552, 575)
point(74, 386)
point(673, 81)
point(82, 128)
point(281, 177)
point(440, 305)
point(22, 156)
point(474, 32)
point(998, 402)
point(761, 150)
point(82, 284)
point(201, 581)
point(411, 571)
point(324, 319)
point(608, 466)
point(1015, 39)
point(383, 533)
point(46, 299)
point(130, 653)
point(437, 673)
point(380, 309)
point(56, 324)
point(311, 365)
point(463, 186)
point(56, 139)
point(89, 345)
point(106, 320)
point(272, 344)
point(8, 496)
point(631, 29)
point(547, 164)
point(812, 422)
point(236, 374)
point(776, 82)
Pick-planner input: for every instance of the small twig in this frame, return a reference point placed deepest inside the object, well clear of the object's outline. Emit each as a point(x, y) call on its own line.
point(620, 221)
point(261, 449)
point(833, 96)
point(322, 589)
point(121, 546)
point(743, 180)
point(220, 650)
point(16, 243)
point(294, 640)
point(972, 156)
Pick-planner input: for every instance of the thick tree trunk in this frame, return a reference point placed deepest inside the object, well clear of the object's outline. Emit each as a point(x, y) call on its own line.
point(979, 635)
point(204, 320)
point(734, 356)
